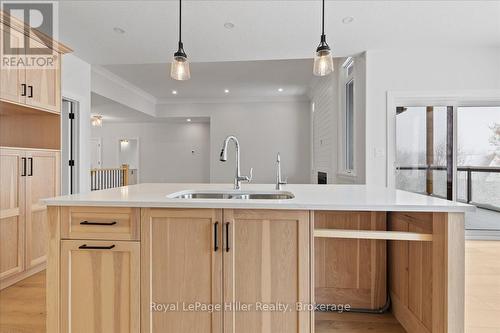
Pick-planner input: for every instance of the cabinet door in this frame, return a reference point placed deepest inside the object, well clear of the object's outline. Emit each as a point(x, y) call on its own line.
point(43, 83)
point(12, 187)
point(181, 265)
point(100, 283)
point(266, 261)
point(42, 181)
point(12, 78)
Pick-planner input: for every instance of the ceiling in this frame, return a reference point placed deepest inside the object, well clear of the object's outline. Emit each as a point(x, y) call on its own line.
point(269, 29)
point(113, 112)
point(245, 80)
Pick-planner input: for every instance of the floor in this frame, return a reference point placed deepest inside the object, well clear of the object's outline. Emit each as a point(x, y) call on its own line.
point(22, 306)
point(482, 225)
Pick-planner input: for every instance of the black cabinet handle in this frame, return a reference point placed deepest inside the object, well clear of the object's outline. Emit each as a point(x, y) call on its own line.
point(23, 172)
point(23, 89)
point(86, 247)
point(227, 236)
point(97, 223)
point(31, 166)
point(216, 237)
point(30, 94)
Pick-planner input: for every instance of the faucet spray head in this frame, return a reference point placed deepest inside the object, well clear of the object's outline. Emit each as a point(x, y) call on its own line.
point(223, 155)
point(278, 158)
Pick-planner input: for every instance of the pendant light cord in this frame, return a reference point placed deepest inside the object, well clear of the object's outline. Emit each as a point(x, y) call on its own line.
point(323, 19)
point(180, 21)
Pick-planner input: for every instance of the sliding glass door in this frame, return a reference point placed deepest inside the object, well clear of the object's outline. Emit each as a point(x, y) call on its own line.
point(450, 152)
point(424, 150)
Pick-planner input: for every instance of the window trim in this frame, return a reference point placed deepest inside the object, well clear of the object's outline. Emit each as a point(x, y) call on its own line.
point(346, 79)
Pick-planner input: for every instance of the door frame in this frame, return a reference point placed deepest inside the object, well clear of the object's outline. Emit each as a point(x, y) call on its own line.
point(70, 146)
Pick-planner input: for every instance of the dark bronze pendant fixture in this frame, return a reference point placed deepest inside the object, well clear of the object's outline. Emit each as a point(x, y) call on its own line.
point(179, 69)
point(323, 61)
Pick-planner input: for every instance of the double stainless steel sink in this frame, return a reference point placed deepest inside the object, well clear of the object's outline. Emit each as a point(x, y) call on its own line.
point(236, 195)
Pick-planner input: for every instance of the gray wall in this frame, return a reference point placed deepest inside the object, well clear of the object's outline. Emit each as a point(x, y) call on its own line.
point(165, 150)
point(263, 129)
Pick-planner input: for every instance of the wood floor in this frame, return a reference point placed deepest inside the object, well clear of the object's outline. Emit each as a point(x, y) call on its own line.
point(22, 306)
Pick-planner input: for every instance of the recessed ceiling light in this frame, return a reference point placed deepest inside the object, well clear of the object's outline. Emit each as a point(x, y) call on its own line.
point(347, 19)
point(229, 25)
point(280, 89)
point(174, 92)
point(119, 30)
point(188, 120)
point(226, 91)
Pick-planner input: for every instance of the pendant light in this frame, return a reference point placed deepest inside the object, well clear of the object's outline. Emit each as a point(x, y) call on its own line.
point(179, 69)
point(323, 61)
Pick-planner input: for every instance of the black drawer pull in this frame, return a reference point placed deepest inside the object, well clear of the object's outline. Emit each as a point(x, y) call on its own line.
point(97, 223)
point(86, 247)
point(227, 236)
point(30, 159)
point(23, 89)
point(216, 238)
point(30, 94)
point(23, 174)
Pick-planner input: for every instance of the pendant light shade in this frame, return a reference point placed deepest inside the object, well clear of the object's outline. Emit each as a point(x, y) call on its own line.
point(179, 70)
point(323, 60)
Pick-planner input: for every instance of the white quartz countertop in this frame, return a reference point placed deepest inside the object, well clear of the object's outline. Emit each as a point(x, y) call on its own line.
point(307, 197)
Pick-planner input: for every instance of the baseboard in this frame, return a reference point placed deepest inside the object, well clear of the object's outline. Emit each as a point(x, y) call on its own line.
point(21, 276)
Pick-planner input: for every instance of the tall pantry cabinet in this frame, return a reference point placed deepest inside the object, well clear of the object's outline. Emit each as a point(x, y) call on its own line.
point(30, 143)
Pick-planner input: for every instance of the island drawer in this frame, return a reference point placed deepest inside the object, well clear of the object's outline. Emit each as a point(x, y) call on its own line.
point(106, 223)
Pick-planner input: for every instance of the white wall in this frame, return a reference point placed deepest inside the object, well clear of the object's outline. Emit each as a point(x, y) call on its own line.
point(75, 82)
point(327, 95)
point(324, 97)
point(165, 149)
point(418, 70)
point(263, 129)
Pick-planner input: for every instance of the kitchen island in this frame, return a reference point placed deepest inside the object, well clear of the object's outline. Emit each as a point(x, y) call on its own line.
point(154, 258)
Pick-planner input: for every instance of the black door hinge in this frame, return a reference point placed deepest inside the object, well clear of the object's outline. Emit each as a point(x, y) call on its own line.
point(71, 162)
point(71, 115)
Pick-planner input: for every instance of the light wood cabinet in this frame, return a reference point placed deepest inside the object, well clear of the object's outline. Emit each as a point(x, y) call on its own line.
point(120, 223)
point(228, 257)
point(27, 176)
point(181, 264)
point(12, 79)
point(100, 287)
point(42, 181)
point(43, 83)
point(36, 84)
point(12, 207)
point(266, 262)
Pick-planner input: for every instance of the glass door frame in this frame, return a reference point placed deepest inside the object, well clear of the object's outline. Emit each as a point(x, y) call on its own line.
point(453, 100)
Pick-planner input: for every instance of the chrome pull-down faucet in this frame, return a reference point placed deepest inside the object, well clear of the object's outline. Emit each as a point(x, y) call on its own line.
point(223, 158)
point(279, 181)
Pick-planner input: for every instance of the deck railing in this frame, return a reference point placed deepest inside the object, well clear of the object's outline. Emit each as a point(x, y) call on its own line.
point(101, 179)
point(467, 190)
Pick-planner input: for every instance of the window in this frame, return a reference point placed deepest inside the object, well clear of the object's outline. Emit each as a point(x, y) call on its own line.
point(349, 125)
point(349, 115)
